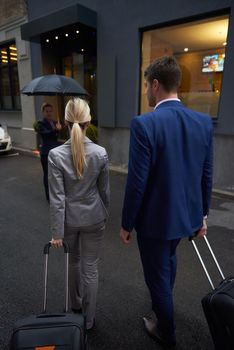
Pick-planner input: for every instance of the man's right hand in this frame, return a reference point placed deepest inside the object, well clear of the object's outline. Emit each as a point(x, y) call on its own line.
point(58, 126)
point(203, 231)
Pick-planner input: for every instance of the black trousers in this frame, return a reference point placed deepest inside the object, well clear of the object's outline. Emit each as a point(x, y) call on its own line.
point(44, 163)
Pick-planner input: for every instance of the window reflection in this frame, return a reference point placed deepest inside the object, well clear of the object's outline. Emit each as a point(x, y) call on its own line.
point(199, 48)
point(9, 80)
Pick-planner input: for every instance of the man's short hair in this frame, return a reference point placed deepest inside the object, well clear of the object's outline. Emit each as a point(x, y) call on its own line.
point(45, 105)
point(167, 71)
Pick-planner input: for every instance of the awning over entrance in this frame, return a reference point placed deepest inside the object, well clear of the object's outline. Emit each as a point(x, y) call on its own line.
point(66, 16)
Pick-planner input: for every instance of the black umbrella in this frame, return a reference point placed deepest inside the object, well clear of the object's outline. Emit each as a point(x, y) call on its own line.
point(52, 85)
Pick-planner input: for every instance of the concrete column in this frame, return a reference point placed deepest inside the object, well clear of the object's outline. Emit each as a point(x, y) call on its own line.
point(20, 123)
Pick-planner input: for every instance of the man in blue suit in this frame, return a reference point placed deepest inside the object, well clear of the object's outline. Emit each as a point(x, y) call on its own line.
point(168, 188)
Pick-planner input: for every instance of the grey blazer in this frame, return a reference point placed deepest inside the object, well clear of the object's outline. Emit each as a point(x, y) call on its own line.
point(77, 202)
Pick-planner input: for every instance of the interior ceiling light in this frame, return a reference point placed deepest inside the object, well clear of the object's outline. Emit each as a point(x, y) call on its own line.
point(186, 49)
point(4, 57)
point(13, 58)
point(4, 61)
point(4, 52)
point(56, 37)
point(13, 53)
point(47, 40)
point(13, 48)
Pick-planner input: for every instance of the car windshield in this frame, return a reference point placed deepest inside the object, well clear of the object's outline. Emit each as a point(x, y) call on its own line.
point(3, 126)
point(3, 130)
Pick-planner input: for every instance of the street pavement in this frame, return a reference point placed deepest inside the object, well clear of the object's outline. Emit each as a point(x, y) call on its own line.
point(123, 298)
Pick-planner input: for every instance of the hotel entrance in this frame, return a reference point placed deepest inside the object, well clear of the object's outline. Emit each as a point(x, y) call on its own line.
point(71, 51)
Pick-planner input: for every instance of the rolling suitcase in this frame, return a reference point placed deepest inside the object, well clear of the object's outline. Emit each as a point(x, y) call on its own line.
point(60, 331)
point(218, 306)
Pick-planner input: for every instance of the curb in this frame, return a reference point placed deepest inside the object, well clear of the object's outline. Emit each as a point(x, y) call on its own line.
point(27, 152)
point(215, 191)
point(124, 171)
point(222, 193)
point(118, 169)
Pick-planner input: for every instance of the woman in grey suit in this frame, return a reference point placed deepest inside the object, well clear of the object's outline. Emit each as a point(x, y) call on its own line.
point(79, 202)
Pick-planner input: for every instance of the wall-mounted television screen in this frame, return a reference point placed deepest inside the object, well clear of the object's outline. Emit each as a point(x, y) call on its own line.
point(213, 63)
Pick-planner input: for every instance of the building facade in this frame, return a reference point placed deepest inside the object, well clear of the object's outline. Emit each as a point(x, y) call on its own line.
point(16, 110)
point(105, 45)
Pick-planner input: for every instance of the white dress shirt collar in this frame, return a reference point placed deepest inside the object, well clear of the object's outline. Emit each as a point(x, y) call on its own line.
point(166, 100)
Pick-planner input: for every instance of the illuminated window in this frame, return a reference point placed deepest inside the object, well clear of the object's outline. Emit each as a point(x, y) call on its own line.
point(199, 48)
point(9, 80)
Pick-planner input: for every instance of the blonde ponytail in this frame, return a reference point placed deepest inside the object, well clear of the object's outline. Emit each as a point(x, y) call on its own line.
point(77, 149)
point(77, 112)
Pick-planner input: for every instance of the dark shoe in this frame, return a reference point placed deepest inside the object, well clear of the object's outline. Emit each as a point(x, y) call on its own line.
point(77, 311)
point(153, 332)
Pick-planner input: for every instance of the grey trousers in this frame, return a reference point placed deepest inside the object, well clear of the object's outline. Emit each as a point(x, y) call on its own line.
point(85, 247)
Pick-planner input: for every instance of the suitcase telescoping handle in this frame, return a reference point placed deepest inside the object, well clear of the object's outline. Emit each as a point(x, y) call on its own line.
point(202, 262)
point(46, 258)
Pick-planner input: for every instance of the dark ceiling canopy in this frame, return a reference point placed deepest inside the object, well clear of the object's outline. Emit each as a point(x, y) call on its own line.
point(58, 19)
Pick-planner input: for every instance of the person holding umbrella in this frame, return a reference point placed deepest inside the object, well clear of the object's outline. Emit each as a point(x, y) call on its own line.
point(51, 85)
point(79, 202)
point(48, 129)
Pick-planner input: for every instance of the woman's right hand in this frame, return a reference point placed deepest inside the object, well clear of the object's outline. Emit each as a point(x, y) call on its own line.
point(56, 243)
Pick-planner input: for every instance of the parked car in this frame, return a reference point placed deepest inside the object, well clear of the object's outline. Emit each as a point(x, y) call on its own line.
point(5, 139)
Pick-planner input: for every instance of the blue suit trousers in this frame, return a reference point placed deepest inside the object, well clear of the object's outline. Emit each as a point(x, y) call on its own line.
point(159, 266)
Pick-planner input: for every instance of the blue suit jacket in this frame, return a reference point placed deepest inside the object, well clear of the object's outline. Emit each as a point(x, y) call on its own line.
point(169, 181)
point(49, 135)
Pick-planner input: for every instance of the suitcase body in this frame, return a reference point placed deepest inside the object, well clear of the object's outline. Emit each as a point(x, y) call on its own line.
point(218, 307)
point(49, 332)
point(58, 331)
